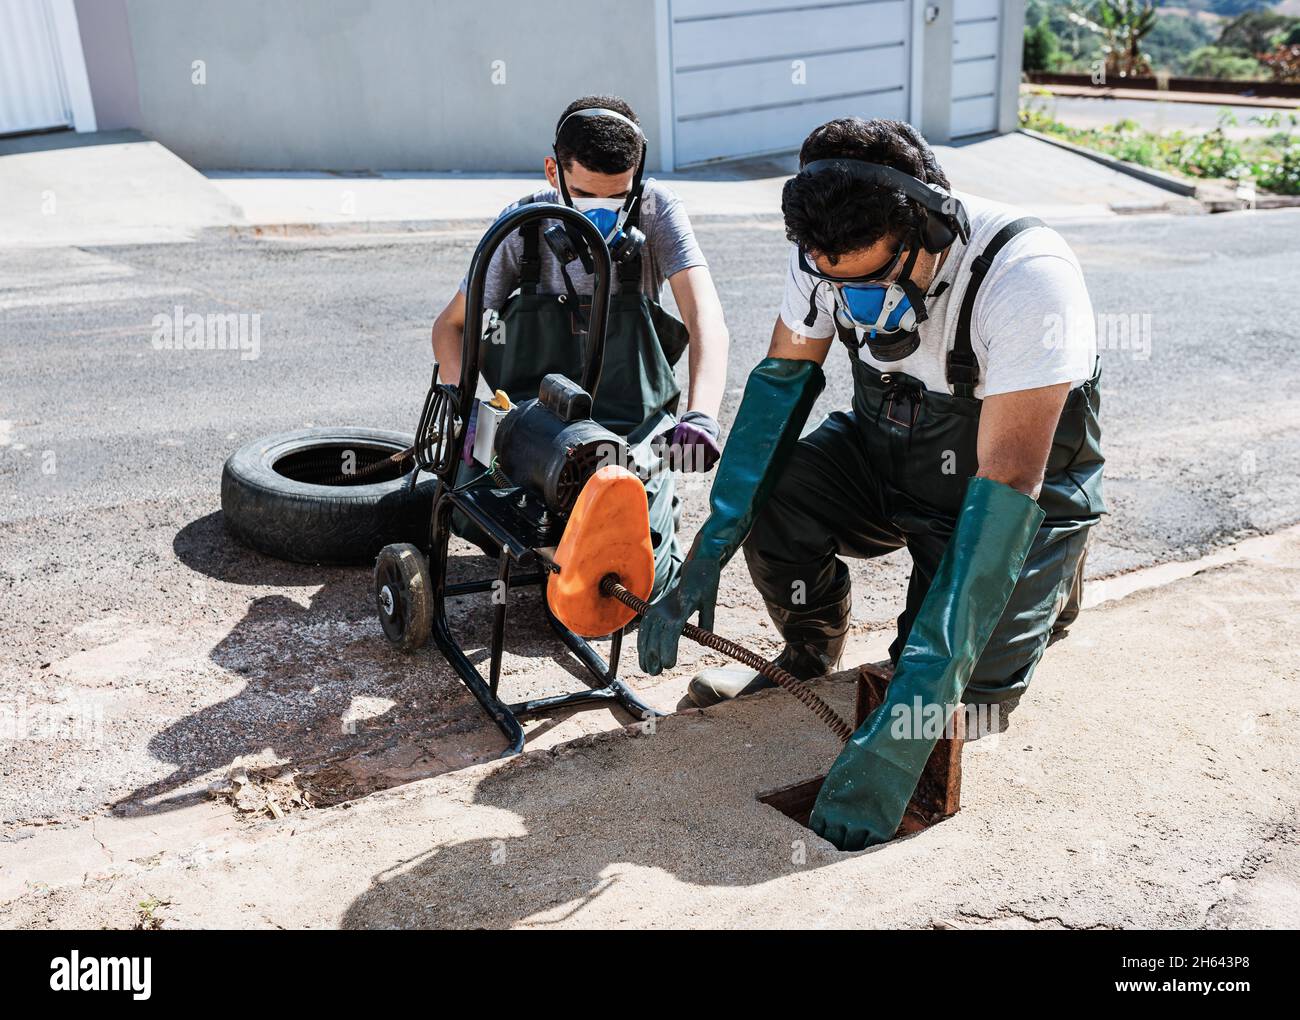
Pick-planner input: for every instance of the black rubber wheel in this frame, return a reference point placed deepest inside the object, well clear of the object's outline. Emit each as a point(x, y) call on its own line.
point(303, 496)
point(402, 596)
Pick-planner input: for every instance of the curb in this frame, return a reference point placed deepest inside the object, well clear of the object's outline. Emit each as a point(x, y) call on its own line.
point(1161, 180)
point(257, 231)
point(298, 231)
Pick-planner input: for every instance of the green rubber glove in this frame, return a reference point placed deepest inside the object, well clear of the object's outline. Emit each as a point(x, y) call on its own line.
point(868, 788)
point(778, 398)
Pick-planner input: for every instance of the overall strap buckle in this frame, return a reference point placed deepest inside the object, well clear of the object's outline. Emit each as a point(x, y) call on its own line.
point(963, 367)
point(902, 400)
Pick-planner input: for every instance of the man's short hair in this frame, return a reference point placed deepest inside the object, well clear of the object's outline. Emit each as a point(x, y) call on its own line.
point(601, 144)
point(832, 213)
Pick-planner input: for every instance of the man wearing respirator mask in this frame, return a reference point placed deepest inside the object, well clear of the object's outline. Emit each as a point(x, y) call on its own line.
point(541, 287)
point(973, 441)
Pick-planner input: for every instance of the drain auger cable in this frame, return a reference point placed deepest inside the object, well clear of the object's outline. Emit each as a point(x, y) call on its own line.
point(611, 588)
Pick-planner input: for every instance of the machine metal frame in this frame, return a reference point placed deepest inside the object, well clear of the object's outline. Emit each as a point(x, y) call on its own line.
point(515, 520)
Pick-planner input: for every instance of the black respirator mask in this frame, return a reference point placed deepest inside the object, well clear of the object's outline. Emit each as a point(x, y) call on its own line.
point(888, 313)
point(609, 215)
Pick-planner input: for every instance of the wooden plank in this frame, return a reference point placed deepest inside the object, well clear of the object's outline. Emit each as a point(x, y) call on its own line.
point(776, 130)
point(978, 39)
point(975, 10)
point(974, 78)
point(739, 87)
point(787, 34)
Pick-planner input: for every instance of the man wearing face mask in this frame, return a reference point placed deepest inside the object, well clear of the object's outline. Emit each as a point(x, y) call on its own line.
point(973, 441)
point(597, 167)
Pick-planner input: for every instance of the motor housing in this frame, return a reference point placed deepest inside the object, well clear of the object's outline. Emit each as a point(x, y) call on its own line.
point(551, 446)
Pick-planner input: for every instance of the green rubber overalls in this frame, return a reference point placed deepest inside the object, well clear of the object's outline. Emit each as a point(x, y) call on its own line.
point(893, 472)
point(637, 394)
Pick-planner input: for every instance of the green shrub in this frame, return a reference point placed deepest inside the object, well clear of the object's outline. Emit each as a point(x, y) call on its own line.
point(1040, 51)
point(1271, 162)
point(1216, 62)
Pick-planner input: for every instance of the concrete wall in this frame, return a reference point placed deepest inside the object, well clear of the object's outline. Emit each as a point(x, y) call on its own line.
point(416, 84)
point(1013, 52)
point(383, 84)
point(934, 45)
point(110, 64)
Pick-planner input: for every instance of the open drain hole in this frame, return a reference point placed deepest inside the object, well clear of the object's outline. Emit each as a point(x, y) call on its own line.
point(938, 794)
point(794, 801)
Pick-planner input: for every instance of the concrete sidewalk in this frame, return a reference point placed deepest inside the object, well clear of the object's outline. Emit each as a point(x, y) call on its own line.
point(1149, 780)
point(114, 187)
point(1016, 169)
point(120, 188)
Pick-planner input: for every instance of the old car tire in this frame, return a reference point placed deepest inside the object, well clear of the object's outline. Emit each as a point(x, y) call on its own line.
point(304, 495)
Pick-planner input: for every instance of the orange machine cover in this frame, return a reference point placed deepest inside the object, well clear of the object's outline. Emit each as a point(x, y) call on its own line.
point(608, 533)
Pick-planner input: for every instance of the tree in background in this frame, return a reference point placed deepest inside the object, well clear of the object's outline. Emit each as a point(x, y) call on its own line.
point(1283, 63)
point(1121, 25)
point(1069, 35)
point(1256, 32)
point(1041, 49)
point(1216, 62)
point(1174, 37)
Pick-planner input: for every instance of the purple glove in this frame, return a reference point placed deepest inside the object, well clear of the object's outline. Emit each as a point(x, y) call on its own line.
point(692, 444)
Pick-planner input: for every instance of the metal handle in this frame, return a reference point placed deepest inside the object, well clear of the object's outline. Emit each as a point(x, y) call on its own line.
point(472, 335)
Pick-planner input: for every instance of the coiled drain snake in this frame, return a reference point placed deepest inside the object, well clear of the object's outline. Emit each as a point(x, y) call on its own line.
point(611, 588)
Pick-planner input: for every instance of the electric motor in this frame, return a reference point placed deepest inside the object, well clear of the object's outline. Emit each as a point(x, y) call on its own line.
point(551, 446)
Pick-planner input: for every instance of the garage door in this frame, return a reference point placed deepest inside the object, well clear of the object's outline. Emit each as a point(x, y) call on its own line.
point(754, 76)
point(32, 95)
point(976, 32)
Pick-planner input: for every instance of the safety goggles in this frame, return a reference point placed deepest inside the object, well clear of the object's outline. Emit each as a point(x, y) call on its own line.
point(880, 276)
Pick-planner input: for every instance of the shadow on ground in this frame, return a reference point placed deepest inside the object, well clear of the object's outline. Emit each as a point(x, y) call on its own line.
point(325, 698)
point(547, 837)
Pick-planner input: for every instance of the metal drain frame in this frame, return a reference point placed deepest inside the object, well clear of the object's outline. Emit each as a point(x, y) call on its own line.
point(938, 794)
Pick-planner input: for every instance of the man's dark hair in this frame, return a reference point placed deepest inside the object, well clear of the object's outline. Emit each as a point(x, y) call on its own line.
point(601, 144)
point(831, 213)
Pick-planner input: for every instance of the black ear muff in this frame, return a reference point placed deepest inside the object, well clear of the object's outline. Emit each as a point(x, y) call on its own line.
point(561, 244)
point(936, 233)
point(567, 248)
point(627, 245)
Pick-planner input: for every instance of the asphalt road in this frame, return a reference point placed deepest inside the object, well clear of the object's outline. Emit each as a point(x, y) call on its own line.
point(115, 576)
point(1199, 382)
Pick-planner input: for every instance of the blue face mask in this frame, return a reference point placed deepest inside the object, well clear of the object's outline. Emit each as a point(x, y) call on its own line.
point(603, 212)
point(877, 309)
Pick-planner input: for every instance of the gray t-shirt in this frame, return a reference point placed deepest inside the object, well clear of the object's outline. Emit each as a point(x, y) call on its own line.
point(670, 247)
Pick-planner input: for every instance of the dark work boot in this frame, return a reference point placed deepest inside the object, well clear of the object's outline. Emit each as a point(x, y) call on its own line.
point(722, 683)
point(814, 640)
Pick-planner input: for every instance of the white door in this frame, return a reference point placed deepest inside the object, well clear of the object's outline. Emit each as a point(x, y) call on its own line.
point(755, 76)
point(32, 93)
point(976, 32)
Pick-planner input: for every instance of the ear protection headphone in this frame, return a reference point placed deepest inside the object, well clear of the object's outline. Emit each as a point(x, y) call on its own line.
point(889, 316)
point(625, 242)
point(945, 217)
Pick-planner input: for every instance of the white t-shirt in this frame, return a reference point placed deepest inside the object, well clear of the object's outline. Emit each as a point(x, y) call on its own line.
point(1032, 324)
